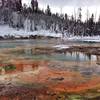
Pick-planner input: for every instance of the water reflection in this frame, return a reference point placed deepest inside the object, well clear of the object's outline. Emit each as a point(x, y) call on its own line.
point(68, 56)
point(30, 53)
point(79, 56)
point(17, 67)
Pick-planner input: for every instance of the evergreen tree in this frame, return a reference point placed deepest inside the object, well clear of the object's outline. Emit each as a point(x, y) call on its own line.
point(48, 10)
point(99, 20)
point(2, 3)
point(72, 18)
point(24, 9)
point(66, 17)
point(34, 5)
point(91, 25)
point(19, 5)
point(79, 15)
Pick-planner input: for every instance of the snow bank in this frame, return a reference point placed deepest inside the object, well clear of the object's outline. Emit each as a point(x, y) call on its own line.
point(46, 33)
point(59, 47)
point(6, 30)
point(85, 38)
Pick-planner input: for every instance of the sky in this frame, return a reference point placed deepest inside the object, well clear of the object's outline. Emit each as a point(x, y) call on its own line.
point(70, 6)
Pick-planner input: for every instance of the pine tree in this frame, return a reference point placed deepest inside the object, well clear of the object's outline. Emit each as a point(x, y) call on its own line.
point(66, 17)
point(91, 25)
point(18, 5)
point(2, 3)
point(34, 5)
point(48, 10)
point(79, 15)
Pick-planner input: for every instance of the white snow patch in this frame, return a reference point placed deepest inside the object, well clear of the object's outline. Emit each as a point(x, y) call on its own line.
point(46, 33)
point(6, 30)
point(84, 38)
point(61, 47)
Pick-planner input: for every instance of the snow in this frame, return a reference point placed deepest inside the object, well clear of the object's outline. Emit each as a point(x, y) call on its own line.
point(6, 30)
point(17, 33)
point(59, 47)
point(84, 38)
point(46, 33)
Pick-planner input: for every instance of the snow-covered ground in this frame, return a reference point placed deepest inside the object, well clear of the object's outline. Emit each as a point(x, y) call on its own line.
point(85, 38)
point(6, 30)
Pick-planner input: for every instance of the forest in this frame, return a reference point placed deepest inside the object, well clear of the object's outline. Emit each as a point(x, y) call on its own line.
point(32, 18)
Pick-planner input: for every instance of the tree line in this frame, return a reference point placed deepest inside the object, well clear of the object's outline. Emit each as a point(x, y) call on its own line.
point(33, 18)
